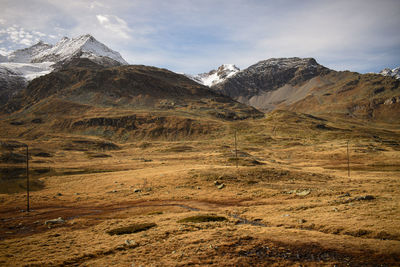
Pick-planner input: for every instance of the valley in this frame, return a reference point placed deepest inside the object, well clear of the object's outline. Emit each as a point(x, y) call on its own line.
point(290, 200)
point(285, 163)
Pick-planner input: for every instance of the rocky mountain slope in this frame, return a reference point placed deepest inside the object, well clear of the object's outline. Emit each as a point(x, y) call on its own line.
point(120, 100)
point(350, 94)
point(303, 85)
point(270, 82)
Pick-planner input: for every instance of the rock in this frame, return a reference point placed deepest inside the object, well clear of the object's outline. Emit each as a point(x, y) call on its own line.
point(220, 186)
point(137, 190)
point(345, 195)
point(367, 197)
point(55, 221)
point(301, 221)
point(216, 183)
point(303, 192)
point(130, 243)
point(58, 194)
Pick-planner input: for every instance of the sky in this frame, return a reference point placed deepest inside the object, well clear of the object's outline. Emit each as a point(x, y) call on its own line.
point(195, 36)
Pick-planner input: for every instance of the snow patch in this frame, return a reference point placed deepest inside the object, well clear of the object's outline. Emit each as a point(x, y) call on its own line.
point(214, 77)
point(28, 71)
point(391, 72)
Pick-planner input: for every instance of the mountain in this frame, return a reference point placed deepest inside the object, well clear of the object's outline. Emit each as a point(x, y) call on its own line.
point(391, 72)
point(214, 77)
point(120, 101)
point(303, 85)
point(24, 65)
point(85, 46)
point(269, 82)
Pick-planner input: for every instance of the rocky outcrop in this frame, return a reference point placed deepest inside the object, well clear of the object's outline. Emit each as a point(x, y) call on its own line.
point(140, 126)
point(10, 84)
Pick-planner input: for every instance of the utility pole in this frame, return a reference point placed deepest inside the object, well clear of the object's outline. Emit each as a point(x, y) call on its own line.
point(27, 178)
point(236, 154)
point(348, 159)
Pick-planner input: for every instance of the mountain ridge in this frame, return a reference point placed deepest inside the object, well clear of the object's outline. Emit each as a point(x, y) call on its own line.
point(303, 85)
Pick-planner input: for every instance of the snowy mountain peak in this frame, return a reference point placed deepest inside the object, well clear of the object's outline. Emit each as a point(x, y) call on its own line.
point(216, 76)
point(391, 72)
point(84, 46)
point(24, 65)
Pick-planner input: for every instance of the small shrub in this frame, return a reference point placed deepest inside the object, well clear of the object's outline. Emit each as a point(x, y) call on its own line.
point(386, 236)
point(203, 218)
point(134, 228)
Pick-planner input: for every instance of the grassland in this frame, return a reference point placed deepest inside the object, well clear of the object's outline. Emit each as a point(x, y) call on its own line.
point(289, 202)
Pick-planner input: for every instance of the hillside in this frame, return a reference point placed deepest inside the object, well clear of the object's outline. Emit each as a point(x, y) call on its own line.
point(349, 94)
point(119, 101)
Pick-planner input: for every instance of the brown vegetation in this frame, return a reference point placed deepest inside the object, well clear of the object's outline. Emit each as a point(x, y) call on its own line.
point(298, 208)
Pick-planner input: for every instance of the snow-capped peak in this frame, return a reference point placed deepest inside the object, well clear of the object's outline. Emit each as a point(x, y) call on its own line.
point(84, 46)
point(25, 55)
point(29, 63)
point(216, 76)
point(391, 72)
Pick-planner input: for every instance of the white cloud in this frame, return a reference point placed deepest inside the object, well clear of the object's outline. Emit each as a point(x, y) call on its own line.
point(115, 25)
point(187, 36)
point(96, 5)
point(14, 37)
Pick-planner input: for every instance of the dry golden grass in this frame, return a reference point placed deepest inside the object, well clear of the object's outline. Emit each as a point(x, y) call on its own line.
point(298, 208)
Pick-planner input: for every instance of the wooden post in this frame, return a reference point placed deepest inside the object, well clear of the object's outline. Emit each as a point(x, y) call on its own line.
point(27, 178)
point(236, 154)
point(348, 159)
